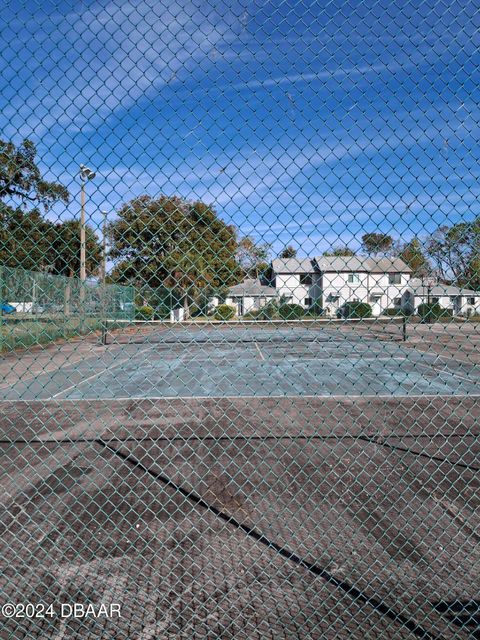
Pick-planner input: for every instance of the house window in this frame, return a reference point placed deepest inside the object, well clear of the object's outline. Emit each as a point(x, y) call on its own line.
point(435, 300)
point(353, 278)
point(471, 301)
point(307, 302)
point(397, 302)
point(394, 278)
point(306, 279)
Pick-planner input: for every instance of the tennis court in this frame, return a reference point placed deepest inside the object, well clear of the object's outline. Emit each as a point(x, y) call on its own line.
point(260, 483)
point(159, 360)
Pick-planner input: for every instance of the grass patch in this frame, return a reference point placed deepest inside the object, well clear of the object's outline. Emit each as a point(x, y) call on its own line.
point(21, 334)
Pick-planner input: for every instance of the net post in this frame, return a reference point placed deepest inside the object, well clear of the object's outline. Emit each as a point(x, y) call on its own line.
point(404, 328)
point(104, 333)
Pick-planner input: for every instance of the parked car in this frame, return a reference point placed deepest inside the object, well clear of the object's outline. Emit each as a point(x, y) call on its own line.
point(6, 308)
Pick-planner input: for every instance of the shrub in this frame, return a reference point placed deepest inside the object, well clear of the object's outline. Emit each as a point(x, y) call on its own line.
point(393, 311)
point(355, 310)
point(252, 315)
point(291, 311)
point(224, 312)
point(268, 312)
point(430, 311)
point(144, 313)
point(162, 312)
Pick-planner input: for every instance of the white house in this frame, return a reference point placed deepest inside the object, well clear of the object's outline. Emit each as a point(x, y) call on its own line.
point(250, 295)
point(329, 282)
point(462, 302)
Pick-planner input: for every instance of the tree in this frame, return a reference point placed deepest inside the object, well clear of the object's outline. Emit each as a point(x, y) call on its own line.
point(377, 243)
point(24, 238)
point(413, 255)
point(20, 177)
point(252, 257)
point(169, 241)
point(455, 252)
point(63, 258)
point(288, 253)
point(339, 251)
point(29, 241)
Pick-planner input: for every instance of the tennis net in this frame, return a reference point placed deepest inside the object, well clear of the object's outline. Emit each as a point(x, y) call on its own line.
point(242, 331)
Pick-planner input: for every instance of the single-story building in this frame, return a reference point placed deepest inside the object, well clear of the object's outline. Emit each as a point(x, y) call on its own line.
point(462, 302)
point(249, 295)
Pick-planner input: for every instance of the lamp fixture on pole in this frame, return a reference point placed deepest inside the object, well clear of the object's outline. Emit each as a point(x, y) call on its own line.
point(85, 175)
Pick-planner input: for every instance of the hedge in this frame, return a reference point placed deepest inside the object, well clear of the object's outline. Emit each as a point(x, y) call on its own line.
point(224, 312)
point(291, 311)
point(433, 311)
point(144, 313)
point(355, 310)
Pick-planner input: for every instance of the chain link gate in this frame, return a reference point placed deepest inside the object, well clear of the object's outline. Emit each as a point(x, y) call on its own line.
point(240, 311)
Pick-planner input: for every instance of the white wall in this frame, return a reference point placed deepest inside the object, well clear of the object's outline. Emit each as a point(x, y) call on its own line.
point(250, 303)
point(444, 301)
point(288, 284)
point(332, 284)
point(369, 286)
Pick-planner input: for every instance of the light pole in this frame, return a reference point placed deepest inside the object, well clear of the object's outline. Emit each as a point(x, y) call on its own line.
point(104, 234)
point(85, 175)
point(428, 282)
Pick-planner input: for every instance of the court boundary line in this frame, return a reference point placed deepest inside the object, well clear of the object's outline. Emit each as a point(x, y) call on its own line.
point(245, 397)
point(352, 591)
point(262, 357)
point(95, 375)
point(445, 371)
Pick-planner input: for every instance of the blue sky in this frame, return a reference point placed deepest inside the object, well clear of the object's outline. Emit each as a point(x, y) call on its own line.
point(304, 123)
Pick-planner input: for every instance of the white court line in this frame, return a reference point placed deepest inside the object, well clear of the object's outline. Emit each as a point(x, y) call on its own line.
point(95, 375)
point(450, 373)
point(250, 397)
point(259, 351)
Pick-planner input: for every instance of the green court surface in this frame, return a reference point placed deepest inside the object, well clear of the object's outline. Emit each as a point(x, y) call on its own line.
point(247, 362)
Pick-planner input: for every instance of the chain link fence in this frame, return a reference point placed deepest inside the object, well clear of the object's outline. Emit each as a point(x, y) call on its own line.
point(239, 324)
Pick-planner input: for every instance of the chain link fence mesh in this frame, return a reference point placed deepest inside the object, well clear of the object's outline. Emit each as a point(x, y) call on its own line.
point(240, 311)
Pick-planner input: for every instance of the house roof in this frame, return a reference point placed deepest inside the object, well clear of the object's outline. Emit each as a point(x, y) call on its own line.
point(293, 265)
point(251, 287)
point(361, 263)
point(339, 264)
point(439, 289)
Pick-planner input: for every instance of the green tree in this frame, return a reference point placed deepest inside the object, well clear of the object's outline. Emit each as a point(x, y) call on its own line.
point(339, 251)
point(414, 256)
point(24, 238)
point(169, 241)
point(63, 257)
point(377, 243)
point(20, 176)
point(288, 252)
point(29, 241)
point(252, 257)
point(455, 252)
